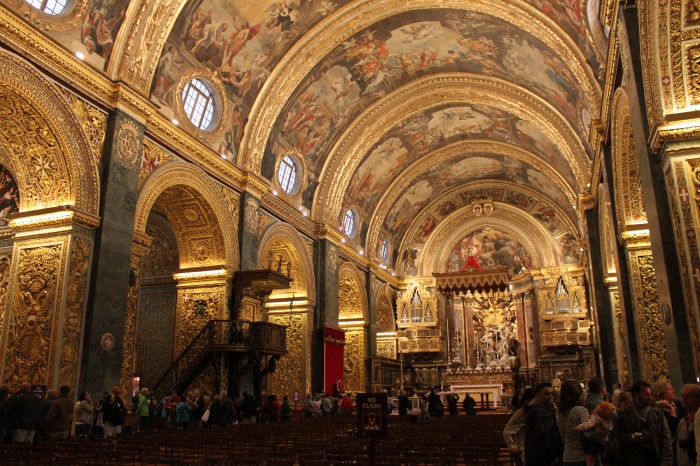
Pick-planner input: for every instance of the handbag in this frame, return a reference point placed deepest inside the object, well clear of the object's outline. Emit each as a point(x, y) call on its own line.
point(205, 416)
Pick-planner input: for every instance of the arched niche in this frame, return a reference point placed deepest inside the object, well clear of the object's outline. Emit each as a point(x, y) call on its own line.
point(294, 307)
point(43, 143)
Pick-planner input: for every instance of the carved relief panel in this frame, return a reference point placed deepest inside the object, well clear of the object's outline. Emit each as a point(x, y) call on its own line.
point(292, 374)
point(196, 306)
point(354, 371)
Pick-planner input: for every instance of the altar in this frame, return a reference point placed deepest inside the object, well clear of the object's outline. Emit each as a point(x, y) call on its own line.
point(495, 384)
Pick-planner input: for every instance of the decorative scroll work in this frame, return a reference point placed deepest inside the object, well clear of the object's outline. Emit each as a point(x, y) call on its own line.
point(5, 261)
point(289, 375)
point(73, 313)
point(354, 373)
point(128, 356)
point(195, 308)
point(386, 349)
point(648, 316)
point(33, 313)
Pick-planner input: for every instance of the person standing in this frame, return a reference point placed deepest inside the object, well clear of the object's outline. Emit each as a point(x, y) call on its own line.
point(60, 415)
point(404, 403)
point(346, 404)
point(249, 408)
point(543, 444)
point(230, 408)
point(644, 438)
point(113, 413)
point(686, 454)
point(514, 431)
point(25, 412)
point(4, 411)
point(83, 412)
point(143, 408)
point(469, 404)
point(596, 393)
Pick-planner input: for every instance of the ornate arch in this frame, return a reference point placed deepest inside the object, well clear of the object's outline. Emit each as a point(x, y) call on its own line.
point(386, 319)
point(43, 142)
point(430, 92)
point(282, 238)
point(352, 294)
point(539, 243)
point(629, 200)
point(214, 223)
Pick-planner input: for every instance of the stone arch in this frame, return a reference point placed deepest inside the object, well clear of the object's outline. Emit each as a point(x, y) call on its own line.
point(43, 143)
point(629, 200)
point(281, 238)
point(205, 227)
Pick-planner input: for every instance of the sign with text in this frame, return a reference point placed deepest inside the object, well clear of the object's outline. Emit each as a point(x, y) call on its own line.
point(371, 415)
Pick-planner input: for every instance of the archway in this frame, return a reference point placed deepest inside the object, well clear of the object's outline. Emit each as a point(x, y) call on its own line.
point(292, 308)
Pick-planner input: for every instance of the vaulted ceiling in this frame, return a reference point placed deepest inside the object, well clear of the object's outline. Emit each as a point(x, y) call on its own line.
point(405, 111)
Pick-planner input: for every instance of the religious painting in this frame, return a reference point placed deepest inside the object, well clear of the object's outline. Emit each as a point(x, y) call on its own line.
point(242, 41)
point(101, 25)
point(408, 262)
point(520, 200)
point(446, 208)
point(376, 61)
point(548, 217)
point(427, 227)
point(9, 196)
point(438, 179)
point(490, 249)
point(570, 249)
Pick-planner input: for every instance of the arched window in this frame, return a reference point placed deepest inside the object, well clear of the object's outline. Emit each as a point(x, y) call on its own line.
point(198, 103)
point(350, 223)
point(51, 7)
point(287, 174)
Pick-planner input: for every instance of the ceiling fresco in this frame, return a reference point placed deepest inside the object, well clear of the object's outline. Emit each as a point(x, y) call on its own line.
point(440, 178)
point(517, 196)
point(491, 249)
point(395, 51)
point(423, 133)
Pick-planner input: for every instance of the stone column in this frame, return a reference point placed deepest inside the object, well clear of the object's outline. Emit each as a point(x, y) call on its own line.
point(326, 265)
point(656, 263)
point(45, 286)
point(111, 272)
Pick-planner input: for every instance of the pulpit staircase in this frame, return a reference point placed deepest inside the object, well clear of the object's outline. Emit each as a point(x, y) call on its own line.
point(221, 336)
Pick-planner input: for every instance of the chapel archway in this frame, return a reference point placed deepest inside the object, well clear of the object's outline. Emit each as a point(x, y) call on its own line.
point(283, 248)
point(353, 318)
point(182, 274)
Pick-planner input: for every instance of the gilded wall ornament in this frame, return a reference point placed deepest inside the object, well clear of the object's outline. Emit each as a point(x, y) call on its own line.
point(107, 342)
point(386, 349)
point(31, 339)
point(153, 156)
point(162, 259)
point(5, 262)
point(354, 370)
point(94, 123)
point(385, 315)
point(251, 215)
point(128, 141)
point(76, 292)
point(290, 375)
point(332, 259)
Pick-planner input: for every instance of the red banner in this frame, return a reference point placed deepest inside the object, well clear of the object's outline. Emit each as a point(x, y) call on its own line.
point(333, 359)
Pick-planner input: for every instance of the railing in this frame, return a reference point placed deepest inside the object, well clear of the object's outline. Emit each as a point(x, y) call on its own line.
point(222, 335)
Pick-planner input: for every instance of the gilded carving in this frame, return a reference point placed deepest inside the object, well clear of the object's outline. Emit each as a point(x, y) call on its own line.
point(128, 142)
point(386, 349)
point(692, 56)
point(162, 259)
point(130, 317)
point(332, 259)
point(385, 315)
point(349, 298)
point(94, 123)
point(31, 325)
point(252, 215)
point(196, 306)
point(231, 200)
point(692, 13)
point(289, 375)
point(153, 156)
point(76, 290)
point(354, 370)
point(648, 318)
point(5, 261)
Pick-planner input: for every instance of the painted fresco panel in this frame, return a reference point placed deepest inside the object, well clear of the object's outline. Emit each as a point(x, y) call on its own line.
point(492, 249)
point(393, 52)
point(438, 179)
point(9, 195)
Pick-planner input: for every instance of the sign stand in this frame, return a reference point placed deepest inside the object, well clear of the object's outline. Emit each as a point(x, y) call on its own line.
point(372, 417)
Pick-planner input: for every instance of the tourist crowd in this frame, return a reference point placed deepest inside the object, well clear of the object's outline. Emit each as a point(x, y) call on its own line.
point(635, 425)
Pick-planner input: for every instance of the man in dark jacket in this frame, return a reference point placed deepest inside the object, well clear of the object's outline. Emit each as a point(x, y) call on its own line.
point(113, 413)
point(644, 438)
point(60, 415)
point(26, 414)
point(543, 444)
point(249, 408)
